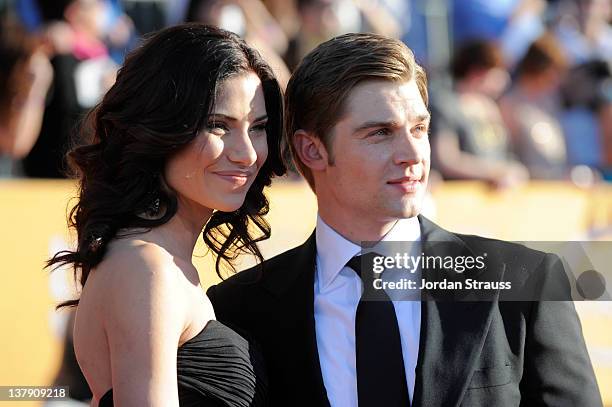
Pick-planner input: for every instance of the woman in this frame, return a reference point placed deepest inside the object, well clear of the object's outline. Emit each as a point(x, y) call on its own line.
point(179, 145)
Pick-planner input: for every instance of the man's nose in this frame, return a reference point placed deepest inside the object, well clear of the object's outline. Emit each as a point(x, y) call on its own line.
point(409, 149)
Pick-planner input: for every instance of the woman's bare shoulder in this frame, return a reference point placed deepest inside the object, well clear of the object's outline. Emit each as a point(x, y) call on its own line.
point(134, 259)
point(139, 277)
point(134, 249)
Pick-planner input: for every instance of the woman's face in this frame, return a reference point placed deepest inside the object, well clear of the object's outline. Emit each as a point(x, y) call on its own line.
point(217, 168)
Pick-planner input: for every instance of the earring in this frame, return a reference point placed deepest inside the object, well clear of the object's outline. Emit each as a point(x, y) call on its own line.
point(95, 244)
point(153, 208)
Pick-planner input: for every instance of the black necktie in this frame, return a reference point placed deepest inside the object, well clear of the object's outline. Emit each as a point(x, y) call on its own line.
point(381, 378)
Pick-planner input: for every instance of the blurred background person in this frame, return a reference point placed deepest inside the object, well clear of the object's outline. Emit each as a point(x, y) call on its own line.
point(320, 20)
point(285, 13)
point(531, 110)
point(83, 71)
point(583, 29)
point(585, 34)
point(118, 30)
point(469, 139)
point(514, 24)
point(250, 20)
point(25, 77)
point(586, 96)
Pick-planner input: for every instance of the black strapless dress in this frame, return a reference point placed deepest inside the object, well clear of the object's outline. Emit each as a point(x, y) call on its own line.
point(217, 368)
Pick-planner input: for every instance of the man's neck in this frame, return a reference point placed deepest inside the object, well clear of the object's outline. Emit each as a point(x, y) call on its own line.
point(357, 229)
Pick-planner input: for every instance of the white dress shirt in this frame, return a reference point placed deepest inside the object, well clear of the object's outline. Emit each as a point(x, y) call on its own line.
point(337, 290)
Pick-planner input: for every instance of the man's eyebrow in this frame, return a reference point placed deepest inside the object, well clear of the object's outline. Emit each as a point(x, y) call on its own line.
point(376, 123)
point(423, 117)
point(388, 123)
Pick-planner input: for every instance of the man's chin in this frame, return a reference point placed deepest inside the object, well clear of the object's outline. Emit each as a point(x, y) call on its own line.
point(412, 214)
point(412, 207)
point(408, 211)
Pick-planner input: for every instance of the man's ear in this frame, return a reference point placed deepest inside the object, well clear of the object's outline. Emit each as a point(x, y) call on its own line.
point(311, 150)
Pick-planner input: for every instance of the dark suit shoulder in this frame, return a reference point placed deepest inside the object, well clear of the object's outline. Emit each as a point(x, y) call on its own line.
point(500, 250)
point(259, 273)
point(233, 294)
point(507, 252)
point(534, 274)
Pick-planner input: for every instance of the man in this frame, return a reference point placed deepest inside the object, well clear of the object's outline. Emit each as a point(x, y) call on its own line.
point(357, 126)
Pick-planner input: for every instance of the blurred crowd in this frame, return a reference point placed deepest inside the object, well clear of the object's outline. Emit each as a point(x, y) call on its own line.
point(519, 89)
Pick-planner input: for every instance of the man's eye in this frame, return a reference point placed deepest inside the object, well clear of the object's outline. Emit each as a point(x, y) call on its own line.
point(421, 128)
point(381, 132)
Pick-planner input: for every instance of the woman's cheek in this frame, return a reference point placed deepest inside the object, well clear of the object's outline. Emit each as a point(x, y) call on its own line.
point(213, 149)
point(261, 148)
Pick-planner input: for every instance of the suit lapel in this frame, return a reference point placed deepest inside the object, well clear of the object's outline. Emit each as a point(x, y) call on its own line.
point(452, 332)
point(294, 290)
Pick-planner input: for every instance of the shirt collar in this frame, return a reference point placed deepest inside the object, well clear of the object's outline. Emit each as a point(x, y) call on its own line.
point(334, 251)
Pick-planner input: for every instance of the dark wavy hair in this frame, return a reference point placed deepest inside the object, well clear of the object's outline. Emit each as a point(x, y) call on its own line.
point(158, 104)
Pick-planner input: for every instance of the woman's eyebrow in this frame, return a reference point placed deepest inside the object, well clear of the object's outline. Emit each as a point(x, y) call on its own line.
point(230, 118)
point(222, 116)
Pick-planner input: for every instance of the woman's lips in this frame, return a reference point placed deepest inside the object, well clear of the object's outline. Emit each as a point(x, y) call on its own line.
point(237, 178)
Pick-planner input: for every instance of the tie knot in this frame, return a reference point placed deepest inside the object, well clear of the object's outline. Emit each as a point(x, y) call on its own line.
point(358, 263)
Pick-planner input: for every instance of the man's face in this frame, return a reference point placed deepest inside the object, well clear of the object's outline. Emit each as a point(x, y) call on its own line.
point(379, 155)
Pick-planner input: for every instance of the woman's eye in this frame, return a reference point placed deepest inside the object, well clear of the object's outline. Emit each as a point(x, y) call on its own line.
point(217, 128)
point(259, 128)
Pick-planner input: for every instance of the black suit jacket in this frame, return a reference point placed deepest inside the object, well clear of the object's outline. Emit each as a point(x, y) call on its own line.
point(479, 353)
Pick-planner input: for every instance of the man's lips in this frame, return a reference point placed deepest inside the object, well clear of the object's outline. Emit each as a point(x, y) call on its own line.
point(408, 178)
point(407, 184)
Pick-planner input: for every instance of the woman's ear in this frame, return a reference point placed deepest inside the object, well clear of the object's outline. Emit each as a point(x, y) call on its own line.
point(311, 150)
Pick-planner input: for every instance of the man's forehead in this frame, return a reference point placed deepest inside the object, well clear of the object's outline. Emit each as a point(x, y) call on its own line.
point(385, 97)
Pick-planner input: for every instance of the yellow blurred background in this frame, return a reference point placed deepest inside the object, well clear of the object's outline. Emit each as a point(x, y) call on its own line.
point(33, 227)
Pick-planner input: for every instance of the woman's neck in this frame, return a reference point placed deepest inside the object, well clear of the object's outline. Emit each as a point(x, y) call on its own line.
point(180, 234)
